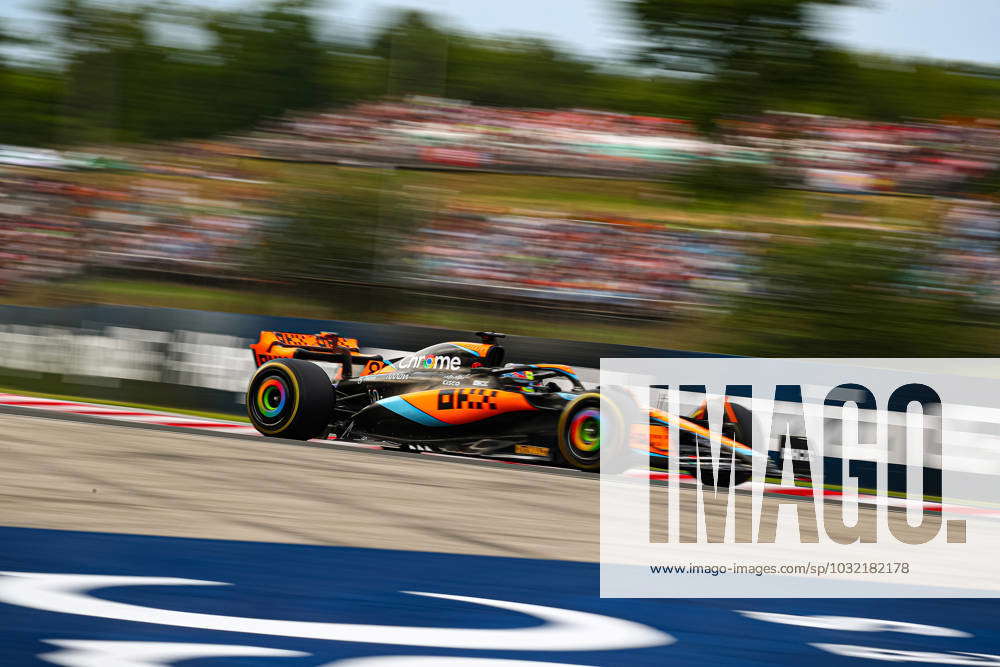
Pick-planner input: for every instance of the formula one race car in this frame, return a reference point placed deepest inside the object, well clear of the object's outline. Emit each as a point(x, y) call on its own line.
point(460, 398)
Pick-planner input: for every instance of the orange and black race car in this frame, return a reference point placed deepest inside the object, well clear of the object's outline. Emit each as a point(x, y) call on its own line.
point(461, 398)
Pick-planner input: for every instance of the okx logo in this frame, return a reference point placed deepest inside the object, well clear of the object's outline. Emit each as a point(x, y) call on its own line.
point(467, 399)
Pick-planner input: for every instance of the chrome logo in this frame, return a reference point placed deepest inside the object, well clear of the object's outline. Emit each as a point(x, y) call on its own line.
point(585, 430)
point(272, 394)
point(431, 362)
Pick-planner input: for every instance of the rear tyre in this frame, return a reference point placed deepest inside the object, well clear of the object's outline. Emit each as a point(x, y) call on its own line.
point(290, 398)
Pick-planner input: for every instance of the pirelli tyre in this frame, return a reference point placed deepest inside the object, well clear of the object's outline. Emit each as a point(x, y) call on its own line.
point(580, 434)
point(290, 398)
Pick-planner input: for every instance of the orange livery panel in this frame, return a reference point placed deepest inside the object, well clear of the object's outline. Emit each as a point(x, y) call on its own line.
point(465, 405)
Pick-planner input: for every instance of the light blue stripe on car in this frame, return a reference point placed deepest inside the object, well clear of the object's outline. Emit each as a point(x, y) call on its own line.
point(467, 349)
point(414, 414)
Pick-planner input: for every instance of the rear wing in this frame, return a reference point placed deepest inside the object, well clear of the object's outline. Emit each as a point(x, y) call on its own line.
point(324, 346)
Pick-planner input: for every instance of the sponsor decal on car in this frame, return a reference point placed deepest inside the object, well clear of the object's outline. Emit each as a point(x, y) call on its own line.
point(431, 362)
point(466, 399)
point(373, 366)
point(533, 450)
point(381, 377)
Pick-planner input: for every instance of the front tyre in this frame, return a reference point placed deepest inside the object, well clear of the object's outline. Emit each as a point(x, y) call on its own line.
point(579, 432)
point(290, 398)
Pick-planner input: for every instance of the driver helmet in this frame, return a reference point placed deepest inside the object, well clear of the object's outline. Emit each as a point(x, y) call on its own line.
point(524, 379)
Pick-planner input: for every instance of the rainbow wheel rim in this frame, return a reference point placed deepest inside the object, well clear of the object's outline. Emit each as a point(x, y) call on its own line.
point(271, 397)
point(585, 431)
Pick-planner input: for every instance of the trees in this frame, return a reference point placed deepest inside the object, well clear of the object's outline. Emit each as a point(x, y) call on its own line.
point(423, 57)
point(845, 294)
point(415, 50)
point(121, 84)
point(121, 78)
point(28, 98)
point(109, 64)
point(30, 107)
point(329, 235)
point(519, 73)
point(744, 52)
point(266, 60)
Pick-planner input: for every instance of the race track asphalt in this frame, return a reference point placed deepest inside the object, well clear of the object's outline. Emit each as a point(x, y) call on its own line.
point(62, 474)
point(67, 474)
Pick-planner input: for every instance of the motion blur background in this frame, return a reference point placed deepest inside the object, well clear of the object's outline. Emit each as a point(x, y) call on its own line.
point(767, 177)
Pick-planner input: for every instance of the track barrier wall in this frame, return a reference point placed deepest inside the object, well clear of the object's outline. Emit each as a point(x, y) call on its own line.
point(200, 359)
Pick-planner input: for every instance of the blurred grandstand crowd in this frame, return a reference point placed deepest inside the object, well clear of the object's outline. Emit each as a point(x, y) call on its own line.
point(160, 222)
point(965, 255)
point(816, 152)
point(427, 132)
point(844, 155)
point(54, 229)
point(612, 265)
